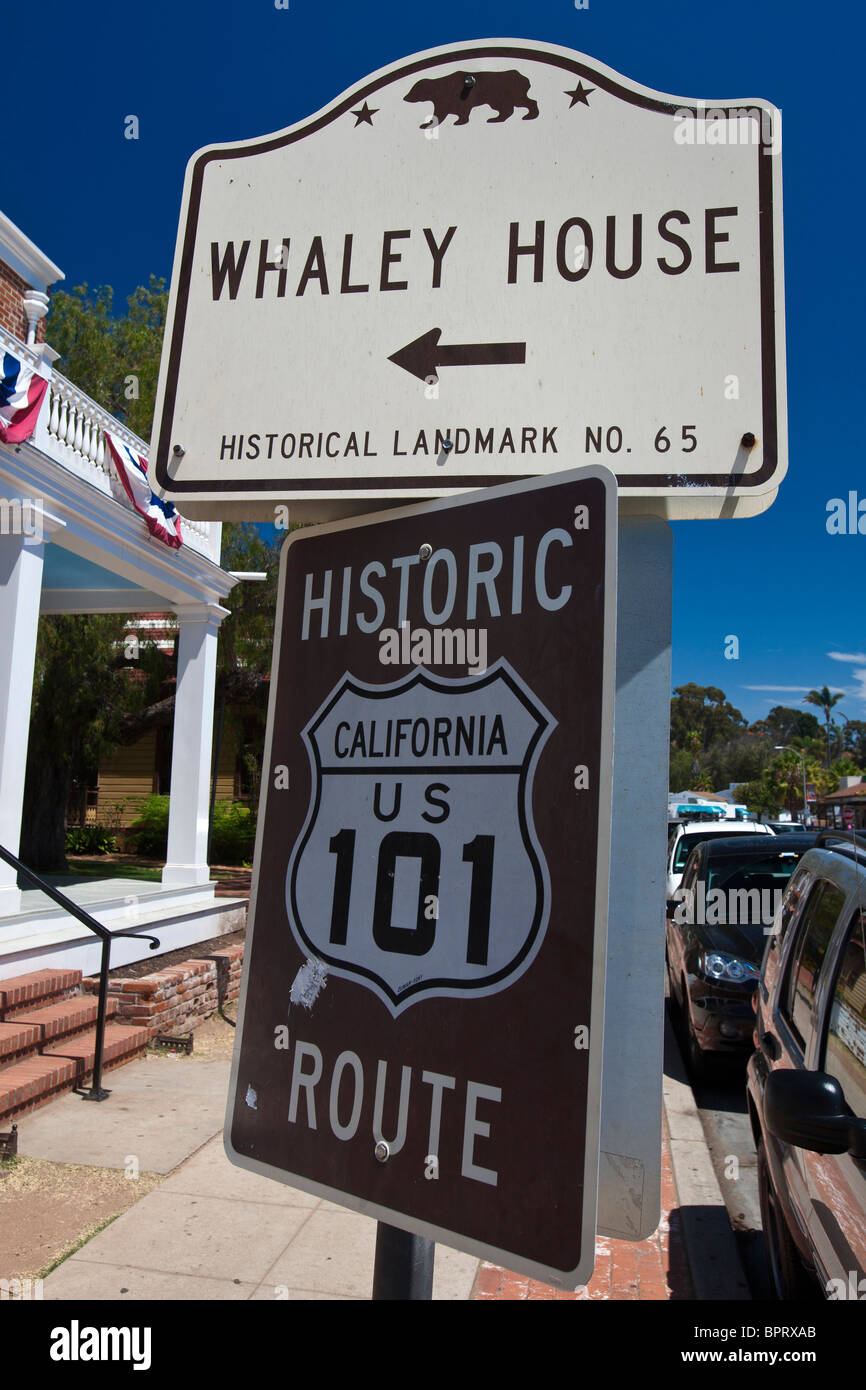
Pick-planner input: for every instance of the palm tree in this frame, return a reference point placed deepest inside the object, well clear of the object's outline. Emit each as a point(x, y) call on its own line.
point(825, 701)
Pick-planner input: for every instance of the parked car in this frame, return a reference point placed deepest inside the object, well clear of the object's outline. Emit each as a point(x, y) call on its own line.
point(716, 932)
point(683, 839)
point(806, 1083)
point(785, 827)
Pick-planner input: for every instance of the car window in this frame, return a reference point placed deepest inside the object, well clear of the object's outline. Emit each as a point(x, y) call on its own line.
point(691, 873)
point(845, 1048)
point(771, 872)
point(685, 846)
point(807, 957)
point(791, 900)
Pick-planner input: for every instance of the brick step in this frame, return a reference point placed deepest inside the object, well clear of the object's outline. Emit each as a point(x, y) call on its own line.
point(29, 1083)
point(66, 1016)
point(27, 1032)
point(22, 992)
point(18, 1037)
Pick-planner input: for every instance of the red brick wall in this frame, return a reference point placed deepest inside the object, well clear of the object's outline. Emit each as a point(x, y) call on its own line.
point(178, 998)
point(12, 316)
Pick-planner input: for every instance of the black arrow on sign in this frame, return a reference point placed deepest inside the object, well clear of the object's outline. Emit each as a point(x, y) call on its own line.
point(423, 356)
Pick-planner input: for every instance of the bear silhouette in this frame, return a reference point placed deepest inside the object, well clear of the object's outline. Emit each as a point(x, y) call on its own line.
point(460, 92)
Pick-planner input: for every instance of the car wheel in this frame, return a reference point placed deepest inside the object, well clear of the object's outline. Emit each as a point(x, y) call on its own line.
point(788, 1279)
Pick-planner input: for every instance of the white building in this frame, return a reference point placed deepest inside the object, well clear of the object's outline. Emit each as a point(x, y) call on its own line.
point(71, 542)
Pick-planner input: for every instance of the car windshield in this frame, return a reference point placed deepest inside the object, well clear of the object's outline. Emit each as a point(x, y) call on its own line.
point(753, 888)
point(686, 844)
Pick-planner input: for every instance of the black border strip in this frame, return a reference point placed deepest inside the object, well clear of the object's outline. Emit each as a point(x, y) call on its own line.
point(675, 482)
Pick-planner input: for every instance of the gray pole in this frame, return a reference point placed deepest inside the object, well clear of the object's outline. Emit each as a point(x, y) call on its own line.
point(403, 1269)
point(629, 1175)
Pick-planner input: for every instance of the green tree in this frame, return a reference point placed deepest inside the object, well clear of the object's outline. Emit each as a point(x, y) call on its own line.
point(780, 785)
point(80, 695)
point(246, 641)
point(854, 739)
point(704, 710)
point(739, 759)
point(825, 702)
point(828, 780)
point(786, 725)
point(114, 359)
point(761, 796)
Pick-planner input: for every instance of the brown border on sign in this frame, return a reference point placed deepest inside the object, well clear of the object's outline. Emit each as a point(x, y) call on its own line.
point(675, 482)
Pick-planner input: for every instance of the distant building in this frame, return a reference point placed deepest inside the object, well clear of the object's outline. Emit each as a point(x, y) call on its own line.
point(844, 809)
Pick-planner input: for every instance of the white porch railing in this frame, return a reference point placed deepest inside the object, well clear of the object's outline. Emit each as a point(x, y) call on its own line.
point(70, 432)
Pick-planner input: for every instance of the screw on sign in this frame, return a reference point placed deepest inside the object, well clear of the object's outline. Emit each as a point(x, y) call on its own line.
point(420, 1036)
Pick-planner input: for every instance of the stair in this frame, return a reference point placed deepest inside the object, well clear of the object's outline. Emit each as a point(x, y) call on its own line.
point(48, 1038)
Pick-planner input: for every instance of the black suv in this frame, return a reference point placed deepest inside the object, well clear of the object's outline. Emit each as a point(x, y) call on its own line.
point(807, 1078)
point(716, 931)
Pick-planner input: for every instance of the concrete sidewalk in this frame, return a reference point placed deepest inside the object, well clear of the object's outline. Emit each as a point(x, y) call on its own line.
point(214, 1231)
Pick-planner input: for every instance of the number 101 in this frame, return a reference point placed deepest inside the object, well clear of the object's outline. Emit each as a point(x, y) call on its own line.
point(408, 844)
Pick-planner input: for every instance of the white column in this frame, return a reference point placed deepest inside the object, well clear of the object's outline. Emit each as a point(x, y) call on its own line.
point(35, 308)
point(21, 562)
point(191, 746)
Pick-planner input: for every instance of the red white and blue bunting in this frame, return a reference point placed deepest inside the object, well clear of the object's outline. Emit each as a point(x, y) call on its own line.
point(161, 517)
point(22, 392)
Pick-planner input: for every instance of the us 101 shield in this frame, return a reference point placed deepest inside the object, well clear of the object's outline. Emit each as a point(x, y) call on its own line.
point(419, 872)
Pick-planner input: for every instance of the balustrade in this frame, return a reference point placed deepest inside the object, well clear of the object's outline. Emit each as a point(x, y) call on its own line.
point(71, 431)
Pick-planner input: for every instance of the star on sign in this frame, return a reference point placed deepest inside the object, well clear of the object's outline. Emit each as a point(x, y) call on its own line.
point(364, 115)
point(580, 93)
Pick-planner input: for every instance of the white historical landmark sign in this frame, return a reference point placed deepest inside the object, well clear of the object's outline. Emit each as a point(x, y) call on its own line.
point(486, 262)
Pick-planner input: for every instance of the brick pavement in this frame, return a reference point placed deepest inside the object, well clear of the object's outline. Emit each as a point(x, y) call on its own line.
point(655, 1269)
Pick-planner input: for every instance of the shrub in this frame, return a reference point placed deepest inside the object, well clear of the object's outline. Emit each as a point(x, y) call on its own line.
point(90, 839)
point(234, 833)
point(148, 836)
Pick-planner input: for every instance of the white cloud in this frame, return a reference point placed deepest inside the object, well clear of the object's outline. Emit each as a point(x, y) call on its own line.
point(860, 692)
point(799, 689)
point(843, 656)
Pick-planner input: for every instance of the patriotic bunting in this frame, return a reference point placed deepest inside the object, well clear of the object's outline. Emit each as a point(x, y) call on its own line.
point(22, 392)
point(160, 516)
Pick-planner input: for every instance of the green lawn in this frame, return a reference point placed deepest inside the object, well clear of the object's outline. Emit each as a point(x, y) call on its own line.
point(115, 866)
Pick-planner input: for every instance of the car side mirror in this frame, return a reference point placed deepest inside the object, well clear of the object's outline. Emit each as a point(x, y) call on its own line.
point(807, 1109)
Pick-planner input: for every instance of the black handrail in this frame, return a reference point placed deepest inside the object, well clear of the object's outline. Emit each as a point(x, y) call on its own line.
point(96, 1092)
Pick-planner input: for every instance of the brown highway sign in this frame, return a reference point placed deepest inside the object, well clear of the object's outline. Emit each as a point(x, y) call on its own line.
point(420, 1035)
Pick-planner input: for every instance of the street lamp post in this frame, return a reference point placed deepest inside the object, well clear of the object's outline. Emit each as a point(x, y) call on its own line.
point(786, 748)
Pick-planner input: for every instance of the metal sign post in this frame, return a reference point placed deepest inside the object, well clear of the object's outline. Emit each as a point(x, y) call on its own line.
point(403, 1269)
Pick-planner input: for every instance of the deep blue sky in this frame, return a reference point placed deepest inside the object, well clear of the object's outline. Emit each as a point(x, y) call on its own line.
point(105, 209)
